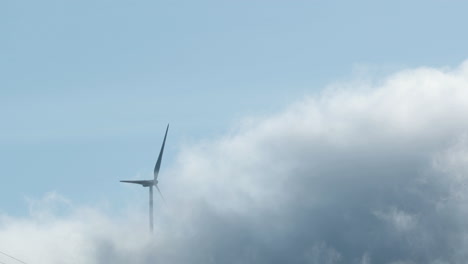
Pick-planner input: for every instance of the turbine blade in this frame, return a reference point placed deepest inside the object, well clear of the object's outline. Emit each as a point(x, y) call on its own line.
point(142, 183)
point(160, 193)
point(10, 256)
point(158, 163)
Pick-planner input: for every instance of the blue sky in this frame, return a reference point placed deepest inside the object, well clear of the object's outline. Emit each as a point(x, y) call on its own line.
point(301, 131)
point(87, 87)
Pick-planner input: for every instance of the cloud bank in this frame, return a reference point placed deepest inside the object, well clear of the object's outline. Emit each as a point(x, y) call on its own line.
point(366, 172)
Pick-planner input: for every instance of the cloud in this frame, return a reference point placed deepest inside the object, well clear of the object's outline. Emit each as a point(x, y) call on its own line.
point(400, 220)
point(366, 172)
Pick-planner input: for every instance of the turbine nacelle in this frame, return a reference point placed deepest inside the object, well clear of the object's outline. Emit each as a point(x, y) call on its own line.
point(150, 183)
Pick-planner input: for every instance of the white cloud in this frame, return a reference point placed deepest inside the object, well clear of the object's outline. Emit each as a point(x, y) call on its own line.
point(400, 220)
point(364, 173)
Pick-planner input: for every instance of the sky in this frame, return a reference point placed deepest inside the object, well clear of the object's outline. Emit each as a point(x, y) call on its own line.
point(301, 131)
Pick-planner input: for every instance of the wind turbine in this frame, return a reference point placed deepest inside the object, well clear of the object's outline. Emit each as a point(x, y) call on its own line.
point(153, 182)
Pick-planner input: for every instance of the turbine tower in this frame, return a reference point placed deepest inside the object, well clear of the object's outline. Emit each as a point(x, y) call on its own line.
point(153, 182)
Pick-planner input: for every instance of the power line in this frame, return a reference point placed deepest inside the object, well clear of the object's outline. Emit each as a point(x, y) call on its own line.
point(12, 258)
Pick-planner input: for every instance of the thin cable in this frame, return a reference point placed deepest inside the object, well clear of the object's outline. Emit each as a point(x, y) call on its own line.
point(12, 257)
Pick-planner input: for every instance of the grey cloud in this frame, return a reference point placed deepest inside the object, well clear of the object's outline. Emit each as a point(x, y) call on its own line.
point(360, 174)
